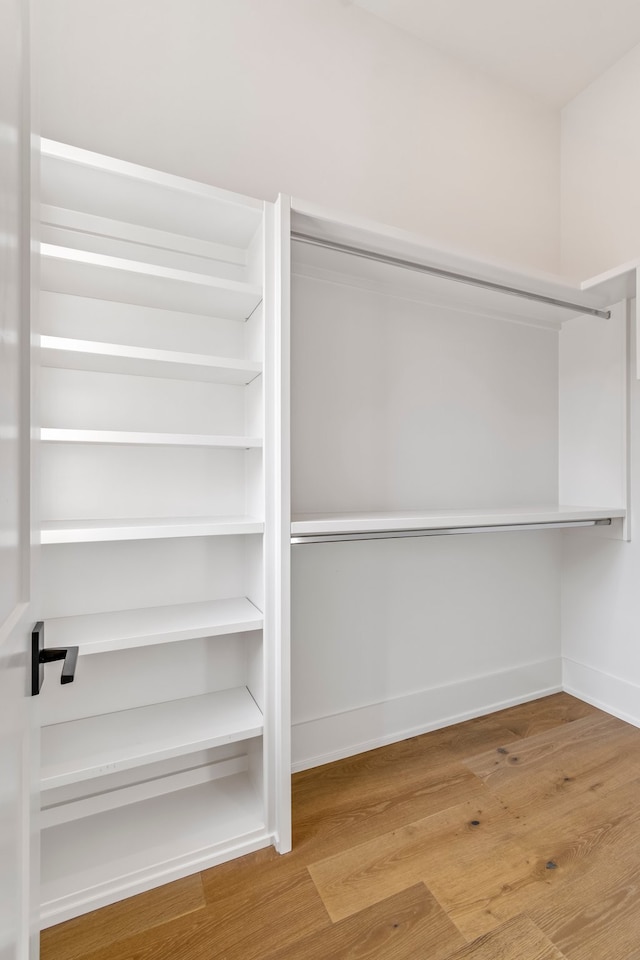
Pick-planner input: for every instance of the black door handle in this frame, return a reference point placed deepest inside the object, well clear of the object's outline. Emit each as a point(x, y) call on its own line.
point(40, 655)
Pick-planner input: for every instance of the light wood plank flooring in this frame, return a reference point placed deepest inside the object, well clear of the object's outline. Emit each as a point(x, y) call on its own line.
point(509, 837)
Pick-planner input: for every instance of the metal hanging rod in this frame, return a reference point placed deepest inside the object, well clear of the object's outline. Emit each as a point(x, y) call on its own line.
point(444, 531)
point(446, 274)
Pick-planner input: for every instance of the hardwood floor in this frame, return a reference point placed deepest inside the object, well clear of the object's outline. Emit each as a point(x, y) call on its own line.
point(509, 837)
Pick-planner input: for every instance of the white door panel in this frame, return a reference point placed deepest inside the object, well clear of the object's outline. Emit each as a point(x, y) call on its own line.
point(17, 744)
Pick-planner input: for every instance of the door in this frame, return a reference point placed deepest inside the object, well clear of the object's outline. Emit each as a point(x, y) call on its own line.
point(17, 743)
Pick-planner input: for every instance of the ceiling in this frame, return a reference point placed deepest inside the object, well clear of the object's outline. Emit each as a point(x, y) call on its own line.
point(552, 49)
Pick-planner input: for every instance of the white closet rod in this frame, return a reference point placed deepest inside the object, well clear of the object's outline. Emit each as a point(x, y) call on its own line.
point(444, 531)
point(447, 274)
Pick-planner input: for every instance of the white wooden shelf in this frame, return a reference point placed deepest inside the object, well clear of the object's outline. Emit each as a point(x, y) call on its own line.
point(85, 274)
point(120, 238)
point(379, 522)
point(97, 859)
point(145, 362)
point(125, 629)
point(143, 528)
point(104, 186)
point(314, 221)
point(59, 435)
point(83, 749)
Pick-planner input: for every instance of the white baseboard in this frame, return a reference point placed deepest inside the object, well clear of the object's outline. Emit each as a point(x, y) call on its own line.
point(618, 697)
point(325, 739)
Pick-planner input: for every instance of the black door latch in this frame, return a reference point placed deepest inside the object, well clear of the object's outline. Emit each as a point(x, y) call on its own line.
point(41, 655)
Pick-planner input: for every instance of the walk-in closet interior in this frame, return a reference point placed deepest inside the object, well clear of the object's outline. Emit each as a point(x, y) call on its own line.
point(334, 407)
point(438, 425)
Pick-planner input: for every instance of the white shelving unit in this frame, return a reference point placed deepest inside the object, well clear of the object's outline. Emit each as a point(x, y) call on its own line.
point(431, 398)
point(159, 339)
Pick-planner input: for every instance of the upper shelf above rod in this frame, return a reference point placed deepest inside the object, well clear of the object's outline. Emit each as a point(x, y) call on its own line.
point(327, 528)
point(434, 271)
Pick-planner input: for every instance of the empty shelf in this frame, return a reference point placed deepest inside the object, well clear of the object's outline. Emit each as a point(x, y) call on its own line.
point(83, 180)
point(83, 749)
point(310, 525)
point(90, 355)
point(57, 435)
point(84, 274)
point(143, 528)
point(124, 629)
point(98, 859)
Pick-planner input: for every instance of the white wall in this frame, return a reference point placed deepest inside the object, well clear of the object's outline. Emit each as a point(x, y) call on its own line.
point(601, 229)
point(397, 637)
point(398, 403)
point(600, 164)
point(310, 97)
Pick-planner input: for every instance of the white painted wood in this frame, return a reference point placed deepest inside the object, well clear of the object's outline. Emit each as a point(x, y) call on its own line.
point(392, 634)
point(367, 727)
point(99, 859)
point(594, 410)
point(125, 629)
point(324, 223)
point(173, 256)
point(207, 762)
point(615, 694)
point(84, 531)
point(104, 186)
point(85, 481)
point(19, 841)
point(438, 519)
point(82, 399)
point(397, 404)
point(101, 577)
point(104, 227)
point(140, 676)
point(55, 814)
point(144, 277)
point(619, 283)
point(108, 321)
point(145, 362)
point(86, 274)
point(87, 748)
point(427, 404)
point(277, 635)
point(62, 435)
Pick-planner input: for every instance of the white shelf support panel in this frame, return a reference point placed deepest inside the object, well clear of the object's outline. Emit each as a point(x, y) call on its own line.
point(85, 274)
point(80, 750)
point(126, 629)
point(69, 354)
point(142, 528)
point(381, 526)
point(61, 435)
